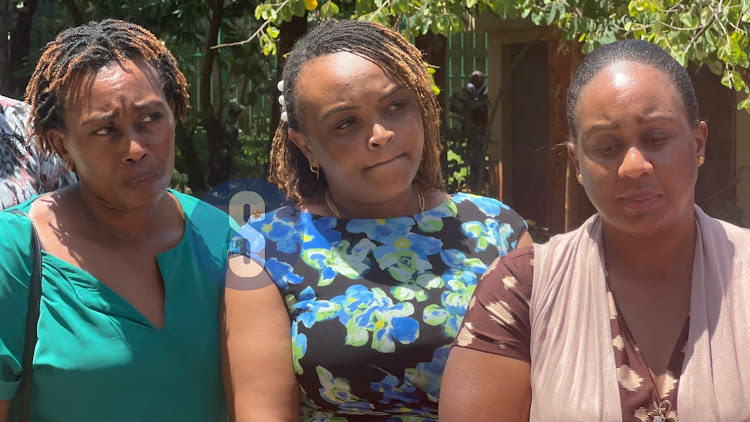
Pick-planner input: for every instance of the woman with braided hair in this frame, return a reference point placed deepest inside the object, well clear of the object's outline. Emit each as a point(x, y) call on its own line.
point(131, 275)
point(351, 301)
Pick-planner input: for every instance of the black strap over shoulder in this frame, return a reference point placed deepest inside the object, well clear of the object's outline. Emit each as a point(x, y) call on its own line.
point(22, 401)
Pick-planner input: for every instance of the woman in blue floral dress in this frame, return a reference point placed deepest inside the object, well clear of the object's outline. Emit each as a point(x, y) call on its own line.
point(344, 306)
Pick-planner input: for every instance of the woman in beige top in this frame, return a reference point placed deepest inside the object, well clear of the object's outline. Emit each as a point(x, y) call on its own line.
point(640, 310)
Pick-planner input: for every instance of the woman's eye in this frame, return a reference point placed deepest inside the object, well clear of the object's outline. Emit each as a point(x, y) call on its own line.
point(398, 105)
point(344, 124)
point(151, 118)
point(607, 149)
point(104, 131)
point(657, 140)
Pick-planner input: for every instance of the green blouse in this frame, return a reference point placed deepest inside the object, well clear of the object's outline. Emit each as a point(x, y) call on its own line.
point(97, 357)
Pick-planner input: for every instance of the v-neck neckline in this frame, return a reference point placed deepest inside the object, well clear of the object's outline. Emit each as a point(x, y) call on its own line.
point(126, 306)
point(628, 337)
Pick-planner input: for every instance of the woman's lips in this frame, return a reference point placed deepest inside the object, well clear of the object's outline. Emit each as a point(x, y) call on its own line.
point(142, 179)
point(384, 162)
point(640, 202)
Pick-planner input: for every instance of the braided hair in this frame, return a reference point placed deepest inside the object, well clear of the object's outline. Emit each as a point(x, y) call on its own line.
point(86, 48)
point(389, 50)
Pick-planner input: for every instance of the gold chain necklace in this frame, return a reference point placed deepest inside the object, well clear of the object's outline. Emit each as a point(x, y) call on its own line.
point(332, 206)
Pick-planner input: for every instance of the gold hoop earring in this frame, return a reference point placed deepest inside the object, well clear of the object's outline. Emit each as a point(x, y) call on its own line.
point(69, 166)
point(701, 160)
point(580, 178)
point(315, 170)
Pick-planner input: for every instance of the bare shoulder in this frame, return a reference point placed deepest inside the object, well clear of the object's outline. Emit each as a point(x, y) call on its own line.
point(435, 197)
point(49, 209)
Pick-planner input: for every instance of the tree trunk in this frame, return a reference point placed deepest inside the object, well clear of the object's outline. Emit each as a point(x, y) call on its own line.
point(219, 157)
point(20, 47)
point(184, 141)
point(75, 12)
point(434, 46)
point(560, 71)
point(4, 47)
point(290, 32)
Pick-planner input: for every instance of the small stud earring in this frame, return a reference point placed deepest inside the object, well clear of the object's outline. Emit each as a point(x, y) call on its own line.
point(69, 166)
point(315, 170)
point(701, 160)
point(580, 178)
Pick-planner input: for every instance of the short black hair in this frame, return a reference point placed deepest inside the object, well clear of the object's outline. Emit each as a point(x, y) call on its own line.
point(91, 47)
point(383, 46)
point(634, 51)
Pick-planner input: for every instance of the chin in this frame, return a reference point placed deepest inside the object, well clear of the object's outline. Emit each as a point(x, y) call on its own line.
point(645, 225)
point(143, 197)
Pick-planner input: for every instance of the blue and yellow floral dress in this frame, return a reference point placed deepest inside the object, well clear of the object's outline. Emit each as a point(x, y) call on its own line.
point(376, 303)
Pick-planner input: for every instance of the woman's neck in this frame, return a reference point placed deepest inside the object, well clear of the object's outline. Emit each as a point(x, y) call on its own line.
point(130, 225)
point(404, 204)
point(665, 254)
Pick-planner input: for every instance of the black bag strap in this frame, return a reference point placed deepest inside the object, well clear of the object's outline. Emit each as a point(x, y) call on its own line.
point(23, 396)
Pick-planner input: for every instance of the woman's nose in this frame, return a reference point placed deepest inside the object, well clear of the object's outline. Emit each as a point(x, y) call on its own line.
point(380, 136)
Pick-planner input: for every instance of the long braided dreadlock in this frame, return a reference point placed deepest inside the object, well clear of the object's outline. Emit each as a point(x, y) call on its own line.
point(384, 47)
point(86, 48)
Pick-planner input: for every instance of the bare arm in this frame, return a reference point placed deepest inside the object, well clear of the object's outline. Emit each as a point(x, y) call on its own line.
point(4, 410)
point(524, 240)
point(259, 377)
point(480, 386)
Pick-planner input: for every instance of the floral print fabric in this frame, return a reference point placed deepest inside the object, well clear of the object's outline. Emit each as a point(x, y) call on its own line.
point(24, 172)
point(498, 322)
point(375, 303)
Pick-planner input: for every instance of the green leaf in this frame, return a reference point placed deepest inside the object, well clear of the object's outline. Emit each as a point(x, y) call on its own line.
point(399, 6)
point(298, 7)
point(269, 47)
point(273, 31)
point(443, 24)
point(737, 81)
point(716, 66)
point(689, 19)
point(680, 58)
point(550, 15)
point(286, 12)
point(329, 10)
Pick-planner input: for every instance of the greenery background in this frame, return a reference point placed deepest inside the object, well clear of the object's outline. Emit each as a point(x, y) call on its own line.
point(234, 112)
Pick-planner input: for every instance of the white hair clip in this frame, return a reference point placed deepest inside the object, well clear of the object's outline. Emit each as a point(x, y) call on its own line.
point(282, 101)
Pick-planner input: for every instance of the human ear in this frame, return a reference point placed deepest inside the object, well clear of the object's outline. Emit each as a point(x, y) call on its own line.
point(303, 143)
point(700, 135)
point(574, 156)
point(56, 139)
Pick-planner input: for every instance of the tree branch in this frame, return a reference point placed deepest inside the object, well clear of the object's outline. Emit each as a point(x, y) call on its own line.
point(255, 34)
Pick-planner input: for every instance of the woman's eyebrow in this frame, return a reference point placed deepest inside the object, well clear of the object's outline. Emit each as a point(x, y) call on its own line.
point(338, 109)
point(391, 92)
point(98, 118)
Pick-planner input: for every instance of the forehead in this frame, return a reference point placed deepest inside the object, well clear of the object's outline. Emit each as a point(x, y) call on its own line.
point(339, 73)
point(625, 91)
point(114, 85)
